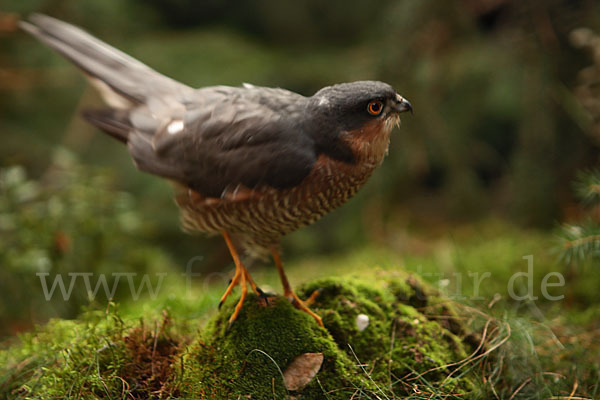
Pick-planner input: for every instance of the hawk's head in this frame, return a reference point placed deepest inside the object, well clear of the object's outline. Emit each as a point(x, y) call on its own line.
point(354, 120)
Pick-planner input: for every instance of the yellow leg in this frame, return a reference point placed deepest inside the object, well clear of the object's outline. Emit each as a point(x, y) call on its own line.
point(289, 293)
point(255, 287)
point(241, 277)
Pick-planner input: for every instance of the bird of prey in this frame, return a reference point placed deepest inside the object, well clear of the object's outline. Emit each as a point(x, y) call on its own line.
point(250, 163)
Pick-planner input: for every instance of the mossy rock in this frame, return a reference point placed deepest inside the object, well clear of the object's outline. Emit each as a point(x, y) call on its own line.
point(410, 331)
point(411, 341)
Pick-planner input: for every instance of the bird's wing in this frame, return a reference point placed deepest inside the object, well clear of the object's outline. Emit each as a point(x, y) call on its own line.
point(227, 138)
point(212, 139)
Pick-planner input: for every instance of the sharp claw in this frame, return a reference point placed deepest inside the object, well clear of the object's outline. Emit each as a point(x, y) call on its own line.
point(221, 304)
point(314, 296)
point(229, 325)
point(263, 295)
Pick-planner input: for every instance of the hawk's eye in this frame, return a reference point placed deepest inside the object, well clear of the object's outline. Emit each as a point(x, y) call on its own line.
point(375, 107)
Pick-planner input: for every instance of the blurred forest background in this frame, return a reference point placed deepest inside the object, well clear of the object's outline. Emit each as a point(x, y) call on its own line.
point(506, 106)
point(507, 115)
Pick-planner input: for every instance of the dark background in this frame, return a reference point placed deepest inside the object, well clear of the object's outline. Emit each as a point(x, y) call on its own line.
point(503, 92)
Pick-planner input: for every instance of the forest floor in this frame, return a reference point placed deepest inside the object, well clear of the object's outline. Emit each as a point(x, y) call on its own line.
point(531, 322)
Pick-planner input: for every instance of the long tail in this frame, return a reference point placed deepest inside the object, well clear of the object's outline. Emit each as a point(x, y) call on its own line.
point(122, 73)
point(123, 81)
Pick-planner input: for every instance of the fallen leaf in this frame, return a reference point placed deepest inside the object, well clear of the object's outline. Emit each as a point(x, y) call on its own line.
point(302, 370)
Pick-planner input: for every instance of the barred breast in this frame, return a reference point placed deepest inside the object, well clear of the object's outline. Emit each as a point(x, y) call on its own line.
point(264, 216)
point(261, 217)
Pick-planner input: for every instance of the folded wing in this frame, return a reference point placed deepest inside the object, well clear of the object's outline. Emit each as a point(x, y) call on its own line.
point(213, 139)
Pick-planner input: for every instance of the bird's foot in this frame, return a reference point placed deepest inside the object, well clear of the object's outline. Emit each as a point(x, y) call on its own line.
point(233, 282)
point(259, 292)
point(303, 305)
point(311, 299)
point(241, 277)
point(262, 295)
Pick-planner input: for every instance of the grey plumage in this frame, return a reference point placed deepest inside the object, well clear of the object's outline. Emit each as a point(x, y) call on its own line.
point(275, 159)
point(224, 136)
point(121, 72)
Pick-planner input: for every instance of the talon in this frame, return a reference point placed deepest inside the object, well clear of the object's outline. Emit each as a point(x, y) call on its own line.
point(241, 277)
point(303, 305)
point(221, 304)
point(313, 297)
point(262, 295)
point(289, 293)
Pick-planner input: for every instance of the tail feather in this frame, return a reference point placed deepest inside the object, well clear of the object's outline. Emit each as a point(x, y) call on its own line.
point(115, 122)
point(122, 73)
point(129, 87)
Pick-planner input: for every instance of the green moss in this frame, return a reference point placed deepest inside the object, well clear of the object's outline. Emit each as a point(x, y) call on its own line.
point(410, 324)
point(250, 357)
point(405, 348)
point(399, 343)
point(97, 356)
point(66, 358)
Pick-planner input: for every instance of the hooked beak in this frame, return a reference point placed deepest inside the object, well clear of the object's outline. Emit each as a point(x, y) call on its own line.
point(402, 105)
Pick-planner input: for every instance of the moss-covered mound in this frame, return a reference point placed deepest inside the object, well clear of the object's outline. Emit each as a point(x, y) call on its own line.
point(383, 338)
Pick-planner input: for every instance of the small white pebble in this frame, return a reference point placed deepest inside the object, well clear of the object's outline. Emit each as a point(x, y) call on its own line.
point(416, 321)
point(362, 321)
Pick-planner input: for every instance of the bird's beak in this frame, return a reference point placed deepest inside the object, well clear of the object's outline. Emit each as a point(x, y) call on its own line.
point(402, 105)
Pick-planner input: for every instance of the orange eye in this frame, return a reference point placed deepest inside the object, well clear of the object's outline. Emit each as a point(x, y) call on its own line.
point(375, 107)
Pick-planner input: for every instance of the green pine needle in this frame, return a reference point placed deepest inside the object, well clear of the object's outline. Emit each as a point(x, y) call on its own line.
point(580, 242)
point(587, 187)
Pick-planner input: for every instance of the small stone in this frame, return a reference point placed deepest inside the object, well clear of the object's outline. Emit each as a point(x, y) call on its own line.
point(362, 321)
point(302, 370)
